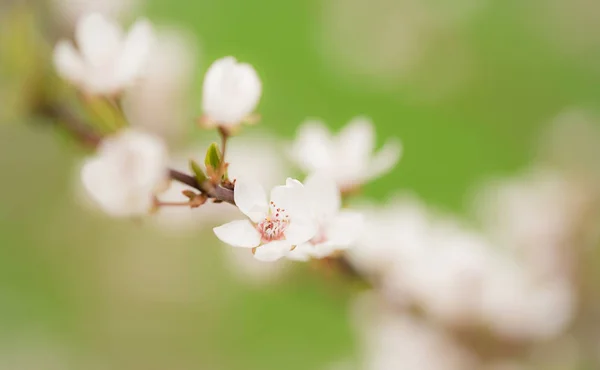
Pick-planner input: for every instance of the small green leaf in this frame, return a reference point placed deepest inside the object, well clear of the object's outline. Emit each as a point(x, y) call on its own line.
point(213, 157)
point(198, 172)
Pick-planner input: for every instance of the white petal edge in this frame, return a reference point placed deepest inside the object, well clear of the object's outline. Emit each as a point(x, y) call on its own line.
point(251, 198)
point(302, 252)
point(385, 159)
point(345, 228)
point(292, 198)
point(313, 148)
point(239, 233)
point(323, 194)
point(98, 38)
point(300, 230)
point(272, 251)
point(68, 62)
point(135, 52)
point(356, 141)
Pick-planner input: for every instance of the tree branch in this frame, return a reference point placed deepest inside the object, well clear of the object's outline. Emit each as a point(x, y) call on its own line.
point(218, 192)
point(64, 118)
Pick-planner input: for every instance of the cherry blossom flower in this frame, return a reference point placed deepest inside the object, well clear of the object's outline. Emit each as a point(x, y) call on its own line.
point(249, 156)
point(337, 229)
point(348, 157)
point(274, 227)
point(107, 60)
point(231, 92)
point(127, 171)
point(393, 339)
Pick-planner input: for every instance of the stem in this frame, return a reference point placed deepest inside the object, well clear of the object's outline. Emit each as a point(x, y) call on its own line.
point(224, 133)
point(218, 192)
point(224, 137)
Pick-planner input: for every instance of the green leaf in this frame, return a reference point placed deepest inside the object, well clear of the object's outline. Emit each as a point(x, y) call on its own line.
point(213, 157)
point(198, 172)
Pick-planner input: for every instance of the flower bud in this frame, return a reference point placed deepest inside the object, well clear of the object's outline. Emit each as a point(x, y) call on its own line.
point(231, 92)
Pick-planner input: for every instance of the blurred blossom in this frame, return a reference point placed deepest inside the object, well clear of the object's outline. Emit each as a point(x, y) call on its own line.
point(537, 215)
point(127, 171)
point(446, 274)
point(230, 93)
point(388, 41)
point(276, 223)
point(69, 11)
point(539, 218)
point(349, 156)
point(460, 276)
point(518, 306)
point(159, 100)
point(395, 340)
point(336, 229)
point(107, 60)
point(391, 233)
point(256, 156)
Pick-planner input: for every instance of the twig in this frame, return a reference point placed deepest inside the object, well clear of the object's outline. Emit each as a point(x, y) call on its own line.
point(87, 136)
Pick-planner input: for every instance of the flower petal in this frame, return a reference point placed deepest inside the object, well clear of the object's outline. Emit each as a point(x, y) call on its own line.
point(324, 250)
point(135, 51)
point(355, 143)
point(291, 198)
point(238, 234)
point(300, 230)
point(98, 39)
point(231, 91)
point(345, 228)
point(302, 252)
point(313, 148)
point(68, 62)
point(323, 194)
point(251, 199)
point(385, 159)
point(272, 251)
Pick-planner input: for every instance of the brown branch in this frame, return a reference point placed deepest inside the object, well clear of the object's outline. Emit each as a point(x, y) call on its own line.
point(218, 192)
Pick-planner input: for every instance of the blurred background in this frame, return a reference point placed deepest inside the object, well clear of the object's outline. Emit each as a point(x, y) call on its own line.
point(480, 92)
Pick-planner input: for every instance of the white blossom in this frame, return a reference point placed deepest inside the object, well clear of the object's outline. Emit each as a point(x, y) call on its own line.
point(393, 339)
point(390, 234)
point(519, 306)
point(461, 276)
point(128, 169)
point(536, 215)
point(336, 229)
point(348, 157)
point(230, 93)
point(274, 227)
point(107, 61)
point(249, 156)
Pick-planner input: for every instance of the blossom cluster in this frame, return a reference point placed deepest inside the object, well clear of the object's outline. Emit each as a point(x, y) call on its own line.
point(130, 170)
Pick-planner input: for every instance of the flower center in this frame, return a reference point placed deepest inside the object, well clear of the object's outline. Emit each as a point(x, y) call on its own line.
point(274, 225)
